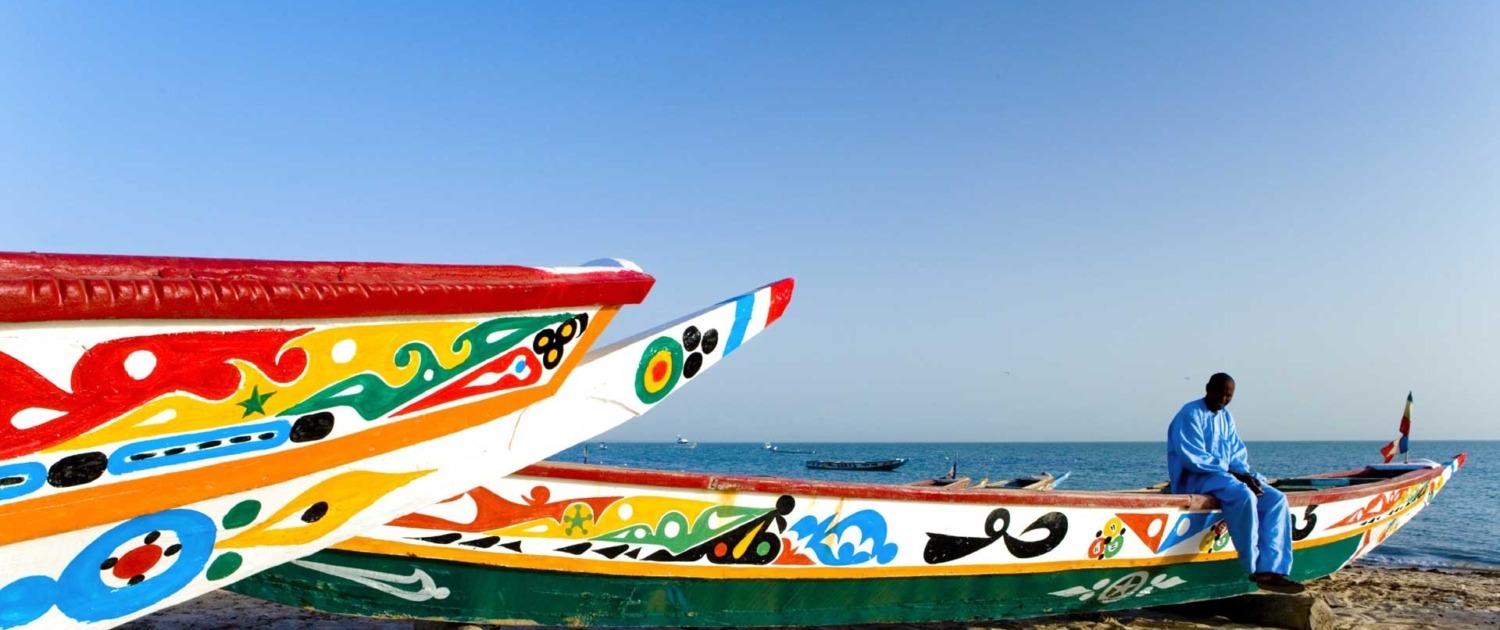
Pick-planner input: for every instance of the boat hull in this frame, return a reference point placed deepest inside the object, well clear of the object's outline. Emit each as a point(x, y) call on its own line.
point(487, 595)
point(560, 545)
point(885, 465)
point(169, 426)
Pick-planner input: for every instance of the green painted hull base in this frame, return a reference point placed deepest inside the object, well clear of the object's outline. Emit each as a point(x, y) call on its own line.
point(482, 594)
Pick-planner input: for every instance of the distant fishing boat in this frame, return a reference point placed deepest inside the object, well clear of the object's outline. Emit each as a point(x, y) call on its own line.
point(670, 549)
point(876, 465)
point(1040, 482)
point(685, 443)
point(788, 451)
point(950, 481)
point(947, 483)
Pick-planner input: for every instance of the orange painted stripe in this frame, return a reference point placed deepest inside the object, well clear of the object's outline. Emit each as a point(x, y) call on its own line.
point(100, 505)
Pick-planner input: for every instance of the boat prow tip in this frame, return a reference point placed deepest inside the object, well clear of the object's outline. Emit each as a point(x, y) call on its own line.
point(616, 263)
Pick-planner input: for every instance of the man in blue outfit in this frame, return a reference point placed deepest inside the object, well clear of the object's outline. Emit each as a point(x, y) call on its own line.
point(1205, 455)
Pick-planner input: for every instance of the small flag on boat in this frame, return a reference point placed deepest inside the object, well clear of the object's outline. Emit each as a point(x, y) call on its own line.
point(1398, 445)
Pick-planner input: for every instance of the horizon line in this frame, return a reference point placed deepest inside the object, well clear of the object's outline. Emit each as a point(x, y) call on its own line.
point(1380, 442)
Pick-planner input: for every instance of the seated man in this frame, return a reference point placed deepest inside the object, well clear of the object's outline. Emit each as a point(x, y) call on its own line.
point(1205, 455)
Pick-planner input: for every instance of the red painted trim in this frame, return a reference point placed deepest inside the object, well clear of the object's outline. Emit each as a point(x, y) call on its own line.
point(803, 487)
point(781, 296)
point(51, 287)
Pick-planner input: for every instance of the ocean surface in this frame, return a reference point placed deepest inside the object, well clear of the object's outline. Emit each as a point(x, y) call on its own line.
point(1461, 529)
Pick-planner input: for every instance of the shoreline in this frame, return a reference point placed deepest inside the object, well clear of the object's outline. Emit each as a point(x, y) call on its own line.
point(1374, 597)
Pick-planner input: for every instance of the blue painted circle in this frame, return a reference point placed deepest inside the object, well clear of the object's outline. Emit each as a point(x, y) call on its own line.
point(26, 599)
point(85, 597)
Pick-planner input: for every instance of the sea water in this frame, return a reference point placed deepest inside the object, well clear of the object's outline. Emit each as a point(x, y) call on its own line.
point(1461, 529)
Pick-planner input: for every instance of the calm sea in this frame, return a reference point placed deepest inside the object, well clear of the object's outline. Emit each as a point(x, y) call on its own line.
point(1459, 530)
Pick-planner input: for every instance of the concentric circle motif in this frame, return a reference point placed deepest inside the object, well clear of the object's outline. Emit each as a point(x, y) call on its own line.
point(660, 367)
point(138, 563)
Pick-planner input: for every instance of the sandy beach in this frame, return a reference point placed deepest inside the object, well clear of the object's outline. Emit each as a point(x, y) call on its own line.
point(1361, 598)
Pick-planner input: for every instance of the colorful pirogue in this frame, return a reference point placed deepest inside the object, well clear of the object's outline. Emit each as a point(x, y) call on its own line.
point(169, 426)
point(564, 544)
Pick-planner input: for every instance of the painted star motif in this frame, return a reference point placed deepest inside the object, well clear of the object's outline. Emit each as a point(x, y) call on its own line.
point(256, 402)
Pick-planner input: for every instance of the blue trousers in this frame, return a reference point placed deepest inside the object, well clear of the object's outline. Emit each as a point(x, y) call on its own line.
point(1259, 526)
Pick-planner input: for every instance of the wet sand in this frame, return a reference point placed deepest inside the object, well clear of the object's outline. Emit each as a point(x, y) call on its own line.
point(1362, 598)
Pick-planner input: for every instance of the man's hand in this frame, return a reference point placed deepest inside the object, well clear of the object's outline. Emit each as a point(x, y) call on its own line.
point(1249, 480)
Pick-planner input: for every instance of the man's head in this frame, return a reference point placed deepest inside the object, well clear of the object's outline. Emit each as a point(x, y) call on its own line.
point(1220, 390)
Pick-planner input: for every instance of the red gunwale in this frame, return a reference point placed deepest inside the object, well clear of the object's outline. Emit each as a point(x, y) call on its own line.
point(66, 287)
point(802, 487)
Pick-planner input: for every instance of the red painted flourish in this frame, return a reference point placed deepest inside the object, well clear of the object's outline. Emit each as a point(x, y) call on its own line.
point(64, 287)
point(495, 512)
point(102, 389)
point(502, 369)
point(790, 555)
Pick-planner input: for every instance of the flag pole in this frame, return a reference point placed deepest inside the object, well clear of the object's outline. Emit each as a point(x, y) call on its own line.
point(1406, 435)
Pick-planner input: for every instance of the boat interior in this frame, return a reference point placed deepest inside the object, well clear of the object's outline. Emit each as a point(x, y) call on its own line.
point(1040, 482)
point(1326, 481)
point(1368, 474)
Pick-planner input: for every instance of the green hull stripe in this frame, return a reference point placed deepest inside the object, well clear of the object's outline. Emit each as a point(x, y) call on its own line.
point(485, 594)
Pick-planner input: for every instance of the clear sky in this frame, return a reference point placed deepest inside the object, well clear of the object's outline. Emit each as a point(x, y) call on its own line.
point(1008, 221)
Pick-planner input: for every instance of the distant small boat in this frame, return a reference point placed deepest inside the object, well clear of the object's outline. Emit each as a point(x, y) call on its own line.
point(789, 451)
point(683, 442)
point(1041, 483)
point(603, 446)
point(880, 465)
point(950, 481)
point(946, 483)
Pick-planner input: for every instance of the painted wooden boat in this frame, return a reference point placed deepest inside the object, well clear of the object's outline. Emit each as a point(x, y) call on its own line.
point(1040, 482)
point(570, 545)
point(946, 483)
point(171, 425)
point(789, 451)
point(873, 465)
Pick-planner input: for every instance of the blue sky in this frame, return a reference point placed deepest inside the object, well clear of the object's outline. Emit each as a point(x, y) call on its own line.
point(1045, 221)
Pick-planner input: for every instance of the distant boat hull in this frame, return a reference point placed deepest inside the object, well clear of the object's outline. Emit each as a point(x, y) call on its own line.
point(653, 548)
point(876, 465)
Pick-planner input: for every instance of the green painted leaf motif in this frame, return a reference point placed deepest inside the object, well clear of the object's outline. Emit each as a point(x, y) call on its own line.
point(224, 565)
point(371, 397)
point(242, 514)
point(674, 533)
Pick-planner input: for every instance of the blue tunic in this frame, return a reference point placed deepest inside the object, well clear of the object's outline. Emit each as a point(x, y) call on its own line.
point(1203, 447)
